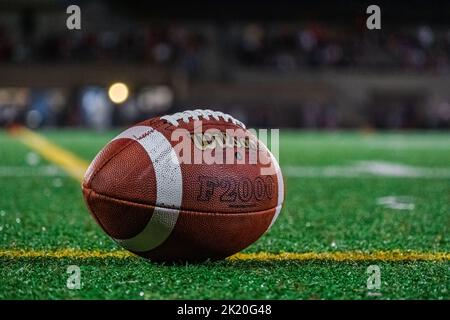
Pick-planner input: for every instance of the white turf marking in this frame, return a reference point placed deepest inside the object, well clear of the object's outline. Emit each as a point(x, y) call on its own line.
point(368, 168)
point(26, 171)
point(359, 169)
point(397, 202)
point(407, 144)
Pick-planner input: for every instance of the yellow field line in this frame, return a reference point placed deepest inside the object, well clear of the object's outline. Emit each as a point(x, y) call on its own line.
point(341, 256)
point(394, 255)
point(76, 167)
point(64, 253)
point(73, 165)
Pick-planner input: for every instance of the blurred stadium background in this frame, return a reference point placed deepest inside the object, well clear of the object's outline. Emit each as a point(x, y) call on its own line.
point(300, 64)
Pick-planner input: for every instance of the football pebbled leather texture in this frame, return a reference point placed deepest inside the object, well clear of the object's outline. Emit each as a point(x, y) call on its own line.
point(155, 204)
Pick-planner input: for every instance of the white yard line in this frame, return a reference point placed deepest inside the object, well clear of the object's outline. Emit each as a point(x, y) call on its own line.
point(357, 169)
point(28, 171)
point(397, 202)
point(407, 145)
point(368, 168)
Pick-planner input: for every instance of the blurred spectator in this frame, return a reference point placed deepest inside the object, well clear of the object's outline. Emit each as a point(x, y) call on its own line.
point(97, 109)
point(319, 46)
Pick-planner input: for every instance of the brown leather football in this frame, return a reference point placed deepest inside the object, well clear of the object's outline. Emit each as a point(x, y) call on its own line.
point(185, 187)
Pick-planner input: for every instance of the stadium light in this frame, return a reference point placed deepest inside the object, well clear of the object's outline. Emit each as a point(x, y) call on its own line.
point(118, 92)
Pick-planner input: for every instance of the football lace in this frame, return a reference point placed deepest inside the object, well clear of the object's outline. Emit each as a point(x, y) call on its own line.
point(188, 115)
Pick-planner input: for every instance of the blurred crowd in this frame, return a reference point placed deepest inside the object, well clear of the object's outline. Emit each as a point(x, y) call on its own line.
point(153, 45)
point(285, 47)
point(288, 47)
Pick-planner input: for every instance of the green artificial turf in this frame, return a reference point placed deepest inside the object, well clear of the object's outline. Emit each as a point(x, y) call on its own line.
point(321, 214)
point(136, 279)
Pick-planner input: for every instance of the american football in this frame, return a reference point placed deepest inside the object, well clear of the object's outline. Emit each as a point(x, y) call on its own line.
point(164, 209)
